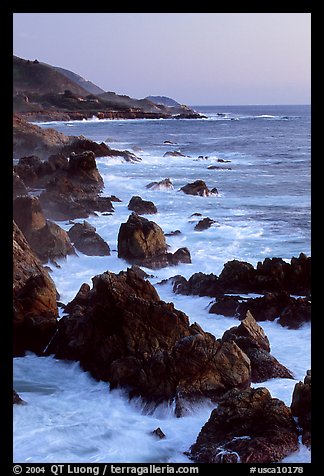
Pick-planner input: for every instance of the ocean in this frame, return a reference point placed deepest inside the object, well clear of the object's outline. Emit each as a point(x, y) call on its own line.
point(263, 167)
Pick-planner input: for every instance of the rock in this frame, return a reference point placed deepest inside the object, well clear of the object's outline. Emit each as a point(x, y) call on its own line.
point(28, 214)
point(301, 407)
point(33, 170)
point(173, 233)
point(83, 170)
point(173, 153)
point(158, 433)
point(17, 400)
point(64, 199)
point(198, 284)
point(204, 224)
point(51, 242)
point(225, 305)
point(241, 277)
point(164, 184)
point(292, 312)
point(142, 242)
point(248, 426)
point(123, 333)
point(18, 186)
point(140, 206)
point(182, 255)
point(197, 188)
point(218, 167)
point(34, 296)
point(86, 240)
point(139, 239)
point(47, 239)
point(250, 337)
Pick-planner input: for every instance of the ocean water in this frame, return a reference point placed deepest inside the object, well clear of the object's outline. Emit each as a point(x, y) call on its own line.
point(262, 210)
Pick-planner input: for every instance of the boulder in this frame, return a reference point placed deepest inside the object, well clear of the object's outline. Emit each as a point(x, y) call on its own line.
point(204, 224)
point(86, 240)
point(140, 206)
point(34, 296)
point(301, 407)
point(198, 187)
point(164, 184)
point(123, 333)
point(248, 426)
point(250, 337)
point(142, 242)
point(82, 169)
point(47, 239)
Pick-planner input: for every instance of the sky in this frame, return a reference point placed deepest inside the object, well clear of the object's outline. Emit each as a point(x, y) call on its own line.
point(195, 58)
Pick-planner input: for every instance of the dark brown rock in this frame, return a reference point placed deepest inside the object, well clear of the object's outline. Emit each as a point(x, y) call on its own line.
point(248, 426)
point(17, 400)
point(34, 295)
point(250, 337)
point(204, 224)
point(47, 239)
point(197, 188)
point(140, 206)
point(139, 239)
point(121, 332)
point(158, 433)
point(86, 240)
point(225, 305)
point(301, 407)
point(83, 170)
point(142, 242)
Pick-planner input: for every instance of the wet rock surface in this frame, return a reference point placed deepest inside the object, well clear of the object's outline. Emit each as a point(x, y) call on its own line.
point(248, 426)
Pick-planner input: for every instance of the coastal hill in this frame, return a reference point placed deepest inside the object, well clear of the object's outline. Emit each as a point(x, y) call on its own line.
point(45, 92)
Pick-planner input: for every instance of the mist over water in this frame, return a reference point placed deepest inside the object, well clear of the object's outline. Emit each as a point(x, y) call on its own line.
point(262, 210)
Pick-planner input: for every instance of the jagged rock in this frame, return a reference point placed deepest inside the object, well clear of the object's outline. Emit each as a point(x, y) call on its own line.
point(250, 337)
point(85, 239)
point(241, 277)
point(301, 407)
point(123, 333)
point(82, 169)
point(248, 426)
point(292, 312)
point(34, 295)
point(17, 400)
point(198, 188)
point(164, 184)
point(140, 206)
point(158, 433)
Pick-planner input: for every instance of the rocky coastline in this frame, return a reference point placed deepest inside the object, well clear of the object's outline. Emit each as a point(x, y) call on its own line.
point(122, 332)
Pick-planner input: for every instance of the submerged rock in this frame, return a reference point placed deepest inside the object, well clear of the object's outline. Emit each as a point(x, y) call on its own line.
point(204, 224)
point(248, 426)
point(123, 333)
